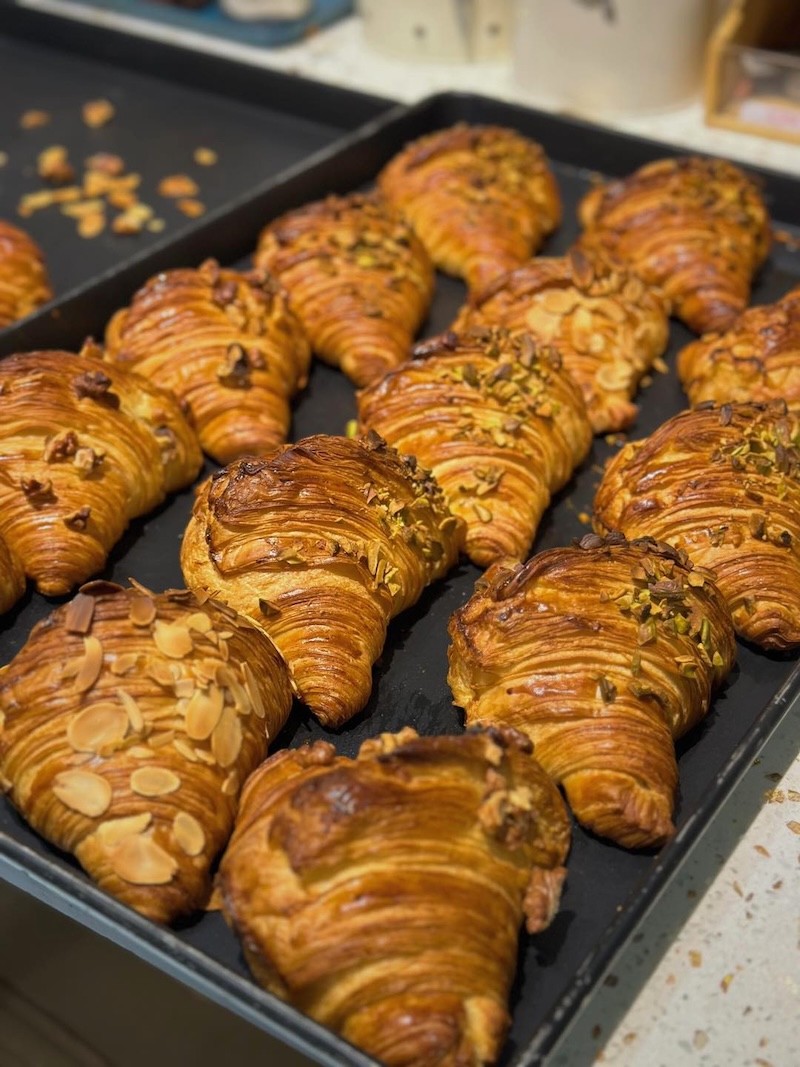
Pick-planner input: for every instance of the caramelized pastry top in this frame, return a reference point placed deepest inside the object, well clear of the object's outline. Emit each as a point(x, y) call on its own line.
point(24, 284)
point(12, 578)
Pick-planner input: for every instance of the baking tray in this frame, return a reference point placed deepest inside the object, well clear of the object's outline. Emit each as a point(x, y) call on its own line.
point(608, 891)
point(169, 101)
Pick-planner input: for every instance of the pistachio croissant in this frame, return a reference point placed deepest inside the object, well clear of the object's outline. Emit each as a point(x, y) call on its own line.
point(128, 722)
point(481, 198)
point(12, 578)
point(383, 895)
point(84, 447)
point(607, 325)
point(498, 422)
point(359, 280)
point(697, 228)
point(723, 485)
point(603, 654)
point(322, 542)
point(758, 358)
point(24, 284)
point(226, 344)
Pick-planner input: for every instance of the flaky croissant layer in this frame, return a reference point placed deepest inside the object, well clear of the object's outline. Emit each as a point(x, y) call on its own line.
point(383, 895)
point(128, 722)
point(226, 344)
point(602, 654)
point(322, 542)
point(24, 284)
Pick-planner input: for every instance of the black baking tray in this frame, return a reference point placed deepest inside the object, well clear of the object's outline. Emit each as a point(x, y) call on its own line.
point(609, 891)
point(169, 101)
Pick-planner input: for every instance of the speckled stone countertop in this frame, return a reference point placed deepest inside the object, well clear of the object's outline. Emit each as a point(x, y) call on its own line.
point(713, 976)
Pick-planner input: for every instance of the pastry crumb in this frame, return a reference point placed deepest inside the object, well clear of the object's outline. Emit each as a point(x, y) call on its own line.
point(31, 120)
point(53, 165)
point(97, 113)
point(190, 207)
point(177, 185)
point(92, 224)
point(205, 157)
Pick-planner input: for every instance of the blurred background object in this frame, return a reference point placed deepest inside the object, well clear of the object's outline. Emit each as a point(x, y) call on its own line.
point(253, 10)
point(603, 57)
point(453, 31)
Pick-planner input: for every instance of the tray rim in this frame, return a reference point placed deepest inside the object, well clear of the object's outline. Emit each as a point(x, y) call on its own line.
point(65, 889)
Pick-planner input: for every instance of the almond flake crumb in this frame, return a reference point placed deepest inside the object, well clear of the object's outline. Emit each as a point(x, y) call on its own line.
point(762, 851)
point(726, 982)
point(794, 826)
point(175, 185)
point(695, 957)
point(774, 796)
point(191, 208)
point(97, 113)
point(700, 1039)
point(205, 157)
point(30, 120)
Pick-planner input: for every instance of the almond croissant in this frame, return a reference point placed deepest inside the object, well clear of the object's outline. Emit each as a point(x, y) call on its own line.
point(84, 447)
point(697, 228)
point(481, 198)
point(383, 895)
point(12, 578)
point(128, 722)
point(226, 344)
point(358, 277)
point(322, 543)
point(24, 284)
point(758, 358)
point(608, 327)
point(498, 422)
point(602, 654)
point(723, 485)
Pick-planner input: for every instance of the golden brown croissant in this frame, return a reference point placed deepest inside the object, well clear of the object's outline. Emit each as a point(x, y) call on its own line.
point(697, 228)
point(84, 447)
point(481, 198)
point(358, 278)
point(226, 344)
point(608, 327)
point(603, 654)
point(724, 486)
point(322, 543)
point(758, 358)
point(12, 578)
point(24, 284)
point(128, 722)
point(383, 895)
point(498, 422)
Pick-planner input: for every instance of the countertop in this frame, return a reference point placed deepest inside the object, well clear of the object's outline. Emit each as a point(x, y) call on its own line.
point(713, 976)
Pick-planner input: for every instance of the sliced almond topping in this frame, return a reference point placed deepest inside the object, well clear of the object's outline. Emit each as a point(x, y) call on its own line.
point(159, 740)
point(253, 690)
point(226, 741)
point(172, 639)
point(184, 687)
point(94, 727)
point(188, 833)
point(132, 710)
point(124, 663)
point(161, 674)
point(185, 749)
point(140, 861)
point(83, 791)
point(203, 712)
point(205, 757)
point(89, 670)
point(140, 752)
point(113, 831)
point(154, 781)
point(199, 621)
point(142, 611)
point(231, 784)
point(79, 614)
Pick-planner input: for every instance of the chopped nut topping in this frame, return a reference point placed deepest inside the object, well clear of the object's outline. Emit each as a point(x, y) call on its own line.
point(78, 520)
point(38, 492)
point(96, 385)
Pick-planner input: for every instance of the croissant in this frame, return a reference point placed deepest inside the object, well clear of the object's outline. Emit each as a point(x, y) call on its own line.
point(128, 722)
point(498, 422)
point(383, 895)
point(602, 654)
point(322, 543)
point(481, 198)
point(12, 578)
point(226, 344)
point(84, 447)
point(24, 284)
point(758, 358)
point(722, 484)
point(697, 228)
point(608, 327)
point(360, 280)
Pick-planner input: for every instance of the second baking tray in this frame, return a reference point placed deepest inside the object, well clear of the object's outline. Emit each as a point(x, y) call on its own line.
point(608, 890)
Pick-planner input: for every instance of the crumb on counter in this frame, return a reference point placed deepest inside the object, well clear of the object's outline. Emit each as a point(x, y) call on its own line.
point(97, 113)
point(31, 120)
point(190, 207)
point(177, 185)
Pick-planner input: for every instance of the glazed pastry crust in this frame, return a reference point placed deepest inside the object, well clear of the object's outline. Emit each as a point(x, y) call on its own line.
point(359, 280)
point(757, 359)
point(602, 654)
point(226, 344)
point(24, 285)
point(608, 327)
point(697, 228)
point(322, 542)
point(128, 722)
point(497, 421)
point(12, 578)
point(481, 198)
point(722, 484)
point(394, 917)
point(84, 448)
